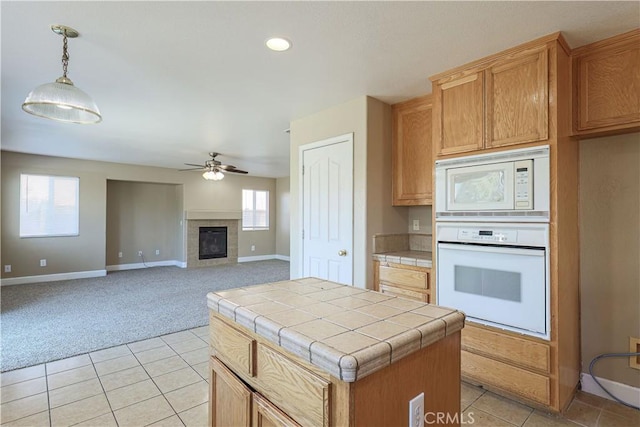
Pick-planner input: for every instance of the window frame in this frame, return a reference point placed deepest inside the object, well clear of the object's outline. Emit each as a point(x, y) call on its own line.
point(253, 226)
point(24, 201)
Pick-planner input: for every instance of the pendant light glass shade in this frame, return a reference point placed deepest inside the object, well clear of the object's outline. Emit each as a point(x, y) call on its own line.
point(61, 100)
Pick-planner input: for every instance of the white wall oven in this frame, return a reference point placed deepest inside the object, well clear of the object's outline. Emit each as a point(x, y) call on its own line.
point(497, 273)
point(505, 186)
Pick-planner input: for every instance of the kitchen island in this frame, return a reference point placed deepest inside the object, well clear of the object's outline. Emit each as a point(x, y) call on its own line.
point(316, 353)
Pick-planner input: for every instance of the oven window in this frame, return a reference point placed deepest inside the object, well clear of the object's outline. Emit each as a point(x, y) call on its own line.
point(504, 285)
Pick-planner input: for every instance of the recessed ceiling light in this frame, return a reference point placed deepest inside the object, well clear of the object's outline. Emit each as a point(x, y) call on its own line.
point(278, 44)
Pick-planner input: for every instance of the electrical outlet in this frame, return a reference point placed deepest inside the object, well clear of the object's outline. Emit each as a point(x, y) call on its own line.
point(139, 253)
point(416, 225)
point(253, 248)
point(7, 268)
point(43, 263)
point(416, 411)
point(634, 347)
point(157, 251)
point(119, 254)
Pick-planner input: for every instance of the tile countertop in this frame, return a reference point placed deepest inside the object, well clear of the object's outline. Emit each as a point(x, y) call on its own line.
point(417, 258)
point(347, 332)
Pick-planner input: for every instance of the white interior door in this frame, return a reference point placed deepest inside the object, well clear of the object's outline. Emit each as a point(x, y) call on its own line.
point(327, 212)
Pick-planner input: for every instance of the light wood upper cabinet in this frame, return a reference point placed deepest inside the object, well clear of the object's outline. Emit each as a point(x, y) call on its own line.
point(494, 102)
point(458, 120)
point(412, 161)
point(607, 85)
point(516, 99)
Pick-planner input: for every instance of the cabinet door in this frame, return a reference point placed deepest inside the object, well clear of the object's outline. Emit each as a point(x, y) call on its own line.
point(517, 99)
point(458, 104)
point(608, 84)
point(412, 153)
point(229, 398)
point(266, 414)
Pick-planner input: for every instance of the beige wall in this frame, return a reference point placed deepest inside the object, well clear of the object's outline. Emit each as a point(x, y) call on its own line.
point(87, 252)
point(143, 217)
point(423, 214)
point(610, 252)
point(283, 214)
point(370, 122)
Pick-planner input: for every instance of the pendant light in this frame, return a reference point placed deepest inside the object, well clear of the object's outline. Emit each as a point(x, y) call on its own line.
point(61, 100)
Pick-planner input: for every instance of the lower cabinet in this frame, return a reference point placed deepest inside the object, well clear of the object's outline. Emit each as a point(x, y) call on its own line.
point(255, 383)
point(242, 406)
point(518, 365)
point(228, 392)
point(405, 281)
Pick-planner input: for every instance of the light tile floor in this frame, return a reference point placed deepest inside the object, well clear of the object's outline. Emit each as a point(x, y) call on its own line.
point(163, 382)
point(160, 381)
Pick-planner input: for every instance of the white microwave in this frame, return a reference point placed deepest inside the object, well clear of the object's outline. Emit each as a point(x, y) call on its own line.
point(504, 186)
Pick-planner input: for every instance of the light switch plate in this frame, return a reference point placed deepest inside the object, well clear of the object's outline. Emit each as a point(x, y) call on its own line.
point(416, 225)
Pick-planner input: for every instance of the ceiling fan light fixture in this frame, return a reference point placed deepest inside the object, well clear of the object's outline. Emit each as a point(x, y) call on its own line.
point(213, 175)
point(61, 100)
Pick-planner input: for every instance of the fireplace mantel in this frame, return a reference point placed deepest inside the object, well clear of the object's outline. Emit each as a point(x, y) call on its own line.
point(207, 214)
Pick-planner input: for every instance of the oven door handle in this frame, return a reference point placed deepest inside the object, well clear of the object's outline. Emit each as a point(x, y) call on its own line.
point(492, 249)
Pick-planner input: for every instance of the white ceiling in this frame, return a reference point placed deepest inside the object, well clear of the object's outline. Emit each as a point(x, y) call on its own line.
point(175, 80)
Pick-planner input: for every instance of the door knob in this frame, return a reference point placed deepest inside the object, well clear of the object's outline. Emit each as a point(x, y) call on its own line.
point(342, 252)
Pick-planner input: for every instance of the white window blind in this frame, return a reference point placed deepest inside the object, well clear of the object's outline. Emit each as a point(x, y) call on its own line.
point(49, 205)
point(255, 210)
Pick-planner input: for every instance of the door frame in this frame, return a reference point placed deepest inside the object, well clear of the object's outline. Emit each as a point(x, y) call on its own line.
point(347, 137)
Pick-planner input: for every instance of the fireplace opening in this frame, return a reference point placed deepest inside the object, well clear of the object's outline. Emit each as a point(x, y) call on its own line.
point(213, 242)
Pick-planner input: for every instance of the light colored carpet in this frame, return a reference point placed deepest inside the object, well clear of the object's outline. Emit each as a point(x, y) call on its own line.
point(42, 322)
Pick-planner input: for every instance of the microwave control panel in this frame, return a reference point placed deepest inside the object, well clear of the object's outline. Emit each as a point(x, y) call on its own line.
point(489, 236)
point(523, 192)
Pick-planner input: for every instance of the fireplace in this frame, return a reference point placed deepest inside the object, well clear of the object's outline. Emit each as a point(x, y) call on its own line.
point(195, 220)
point(212, 242)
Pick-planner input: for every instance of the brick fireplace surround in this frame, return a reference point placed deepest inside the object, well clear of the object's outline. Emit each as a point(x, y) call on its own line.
point(197, 219)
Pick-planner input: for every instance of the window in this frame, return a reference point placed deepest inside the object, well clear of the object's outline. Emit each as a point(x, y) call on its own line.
point(48, 205)
point(255, 210)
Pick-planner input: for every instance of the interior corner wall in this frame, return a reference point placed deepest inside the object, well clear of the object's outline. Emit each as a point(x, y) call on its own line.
point(609, 253)
point(143, 217)
point(350, 117)
point(283, 223)
point(382, 217)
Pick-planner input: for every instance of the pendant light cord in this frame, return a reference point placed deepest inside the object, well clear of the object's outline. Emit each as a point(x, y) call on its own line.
point(65, 55)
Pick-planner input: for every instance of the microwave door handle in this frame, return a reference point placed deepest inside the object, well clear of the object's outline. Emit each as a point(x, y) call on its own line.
point(492, 249)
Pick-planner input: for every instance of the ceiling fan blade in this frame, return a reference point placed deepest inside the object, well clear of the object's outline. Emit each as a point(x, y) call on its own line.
point(191, 169)
point(226, 167)
point(191, 164)
point(236, 171)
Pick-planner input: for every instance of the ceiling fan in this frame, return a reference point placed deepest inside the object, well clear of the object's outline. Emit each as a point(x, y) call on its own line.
point(213, 168)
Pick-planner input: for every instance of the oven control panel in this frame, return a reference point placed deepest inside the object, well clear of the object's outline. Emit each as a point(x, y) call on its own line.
point(488, 236)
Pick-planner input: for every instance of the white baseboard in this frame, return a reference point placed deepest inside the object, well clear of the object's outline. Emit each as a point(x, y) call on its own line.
point(255, 258)
point(52, 277)
point(262, 258)
point(624, 392)
point(137, 265)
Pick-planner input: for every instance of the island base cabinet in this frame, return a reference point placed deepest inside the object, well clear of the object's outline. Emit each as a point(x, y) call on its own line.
point(284, 390)
point(228, 392)
point(234, 404)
